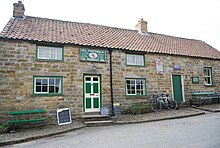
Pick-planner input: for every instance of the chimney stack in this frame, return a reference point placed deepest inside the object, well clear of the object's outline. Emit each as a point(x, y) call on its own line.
point(141, 26)
point(18, 11)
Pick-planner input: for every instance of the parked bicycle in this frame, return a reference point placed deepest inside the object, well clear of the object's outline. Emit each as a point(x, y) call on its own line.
point(163, 100)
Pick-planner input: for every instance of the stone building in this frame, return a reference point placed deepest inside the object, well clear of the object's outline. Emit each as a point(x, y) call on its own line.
point(51, 64)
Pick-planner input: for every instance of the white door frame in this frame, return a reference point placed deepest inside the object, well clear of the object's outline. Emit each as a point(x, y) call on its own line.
point(92, 95)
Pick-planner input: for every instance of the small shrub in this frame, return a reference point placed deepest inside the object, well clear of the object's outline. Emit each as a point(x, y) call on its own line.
point(145, 108)
point(4, 128)
point(135, 109)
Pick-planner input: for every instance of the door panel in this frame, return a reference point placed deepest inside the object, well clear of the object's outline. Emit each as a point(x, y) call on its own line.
point(177, 88)
point(92, 97)
point(88, 103)
point(96, 102)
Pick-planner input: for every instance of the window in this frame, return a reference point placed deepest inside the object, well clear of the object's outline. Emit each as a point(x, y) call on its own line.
point(47, 85)
point(137, 60)
point(49, 53)
point(208, 75)
point(135, 87)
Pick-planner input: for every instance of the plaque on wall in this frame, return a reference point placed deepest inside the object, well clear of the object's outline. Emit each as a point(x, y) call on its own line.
point(63, 116)
point(92, 55)
point(195, 80)
point(159, 67)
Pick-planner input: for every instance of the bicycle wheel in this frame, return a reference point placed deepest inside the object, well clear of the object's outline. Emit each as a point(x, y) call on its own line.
point(172, 105)
point(156, 105)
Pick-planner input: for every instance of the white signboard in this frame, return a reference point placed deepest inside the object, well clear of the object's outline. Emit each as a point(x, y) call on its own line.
point(159, 66)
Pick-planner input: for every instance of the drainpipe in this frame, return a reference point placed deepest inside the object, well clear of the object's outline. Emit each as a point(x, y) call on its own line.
point(111, 88)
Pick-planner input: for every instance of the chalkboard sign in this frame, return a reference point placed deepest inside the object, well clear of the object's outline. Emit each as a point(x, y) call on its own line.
point(117, 109)
point(64, 116)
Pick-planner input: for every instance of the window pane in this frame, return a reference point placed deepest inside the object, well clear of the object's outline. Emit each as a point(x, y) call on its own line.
point(95, 79)
point(51, 82)
point(51, 89)
point(38, 81)
point(44, 88)
point(58, 80)
point(57, 89)
point(38, 89)
point(88, 78)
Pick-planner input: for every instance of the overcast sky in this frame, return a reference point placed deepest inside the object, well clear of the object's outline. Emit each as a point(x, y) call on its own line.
point(193, 19)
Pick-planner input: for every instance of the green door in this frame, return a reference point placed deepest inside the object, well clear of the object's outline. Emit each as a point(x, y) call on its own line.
point(177, 88)
point(92, 100)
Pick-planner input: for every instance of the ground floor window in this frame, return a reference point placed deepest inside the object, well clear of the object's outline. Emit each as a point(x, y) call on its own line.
point(47, 85)
point(135, 87)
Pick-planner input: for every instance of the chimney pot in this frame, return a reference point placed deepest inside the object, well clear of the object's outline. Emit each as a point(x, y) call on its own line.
point(18, 11)
point(141, 26)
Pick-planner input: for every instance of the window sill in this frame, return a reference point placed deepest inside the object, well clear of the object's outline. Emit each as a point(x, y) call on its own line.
point(47, 95)
point(135, 65)
point(48, 60)
point(136, 97)
point(210, 85)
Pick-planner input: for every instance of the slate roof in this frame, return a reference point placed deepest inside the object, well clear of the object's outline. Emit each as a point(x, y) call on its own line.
point(57, 31)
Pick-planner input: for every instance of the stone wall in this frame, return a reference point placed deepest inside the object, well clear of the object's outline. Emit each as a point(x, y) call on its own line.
point(156, 83)
point(19, 65)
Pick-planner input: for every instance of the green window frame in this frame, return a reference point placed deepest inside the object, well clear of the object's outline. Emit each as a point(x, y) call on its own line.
point(208, 75)
point(48, 85)
point(49, 53)
point(135, 87)
point(135, 59)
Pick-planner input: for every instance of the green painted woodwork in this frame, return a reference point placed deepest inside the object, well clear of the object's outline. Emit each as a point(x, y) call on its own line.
point(88, 103)
point(95, 88)
point(88, 87)
point(25, 112)
point(177, 88)
point(92, 55)
point(96, 102)
point(23, 121)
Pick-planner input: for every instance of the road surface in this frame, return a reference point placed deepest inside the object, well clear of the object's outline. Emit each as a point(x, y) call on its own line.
point(194, 132)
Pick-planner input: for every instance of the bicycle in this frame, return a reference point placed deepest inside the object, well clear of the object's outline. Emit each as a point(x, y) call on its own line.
point(157, 102)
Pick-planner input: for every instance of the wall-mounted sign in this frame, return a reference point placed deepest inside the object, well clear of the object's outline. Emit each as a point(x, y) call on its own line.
point(195, 80)
point(176, 67)
point(92, 55)
point(159, 66)
point(63, 116)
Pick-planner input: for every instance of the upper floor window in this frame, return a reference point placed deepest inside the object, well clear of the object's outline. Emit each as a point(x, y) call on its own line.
point(136, 60)
point(208, 75)
point(49, 53)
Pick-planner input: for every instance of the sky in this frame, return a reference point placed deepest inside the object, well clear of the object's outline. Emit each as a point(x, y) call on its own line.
point(192, 19)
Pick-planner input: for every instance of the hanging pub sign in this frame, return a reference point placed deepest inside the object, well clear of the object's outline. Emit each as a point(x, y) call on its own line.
point(63, 116)
point(176, 67)
point(92, 55)
point(159, 66)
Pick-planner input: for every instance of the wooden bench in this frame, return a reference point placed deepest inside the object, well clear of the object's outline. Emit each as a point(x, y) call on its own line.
point(199, 98)
point(25, 116)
